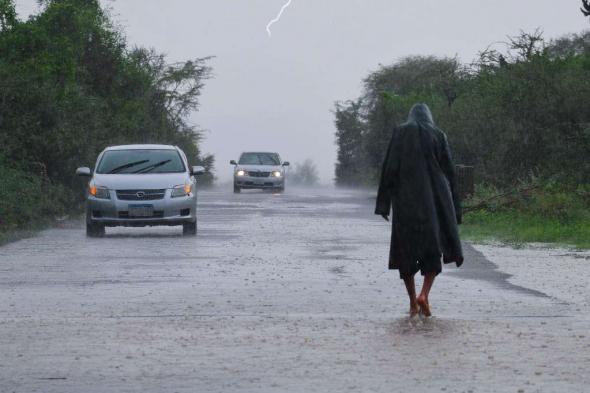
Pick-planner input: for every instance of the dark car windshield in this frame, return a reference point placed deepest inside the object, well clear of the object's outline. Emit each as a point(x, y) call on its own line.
point(260, 159)
point(140, 162)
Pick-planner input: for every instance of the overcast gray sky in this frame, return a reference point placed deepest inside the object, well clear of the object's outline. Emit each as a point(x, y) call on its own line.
point(277, 93)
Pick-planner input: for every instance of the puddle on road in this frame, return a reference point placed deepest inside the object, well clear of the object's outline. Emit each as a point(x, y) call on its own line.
point(419, 326)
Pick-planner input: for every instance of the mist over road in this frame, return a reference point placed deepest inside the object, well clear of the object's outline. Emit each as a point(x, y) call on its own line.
point(277, 293)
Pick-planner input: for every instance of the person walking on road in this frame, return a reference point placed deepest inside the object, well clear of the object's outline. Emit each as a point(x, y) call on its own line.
point(418, 186)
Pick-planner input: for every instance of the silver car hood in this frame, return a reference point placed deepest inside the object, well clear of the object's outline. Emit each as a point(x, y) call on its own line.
point(260, 168)
point(156, 181)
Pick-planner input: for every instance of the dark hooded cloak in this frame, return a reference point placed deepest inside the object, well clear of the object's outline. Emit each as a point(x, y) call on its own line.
point(418, 184)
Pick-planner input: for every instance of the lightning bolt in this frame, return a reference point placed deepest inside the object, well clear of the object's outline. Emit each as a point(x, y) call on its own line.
point(278, 18)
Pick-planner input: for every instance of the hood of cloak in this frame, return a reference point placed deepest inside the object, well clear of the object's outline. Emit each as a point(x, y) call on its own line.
point(421, 114)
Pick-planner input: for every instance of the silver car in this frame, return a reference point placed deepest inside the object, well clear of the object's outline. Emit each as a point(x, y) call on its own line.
point(141, 185)
point(259, 171)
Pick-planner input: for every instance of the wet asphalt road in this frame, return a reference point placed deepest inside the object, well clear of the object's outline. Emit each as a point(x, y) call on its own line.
point(277, 293)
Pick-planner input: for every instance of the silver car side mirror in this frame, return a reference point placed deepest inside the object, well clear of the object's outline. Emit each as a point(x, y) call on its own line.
point(84, 172)
point(198, 170)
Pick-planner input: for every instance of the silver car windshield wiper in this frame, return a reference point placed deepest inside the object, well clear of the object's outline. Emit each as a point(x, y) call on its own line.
point(150, 168)
point(126, 166)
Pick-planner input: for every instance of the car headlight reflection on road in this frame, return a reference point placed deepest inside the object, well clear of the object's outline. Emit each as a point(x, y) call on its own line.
point(241, 173)
point(99, 192)
point(277, 174)
point(182, 190)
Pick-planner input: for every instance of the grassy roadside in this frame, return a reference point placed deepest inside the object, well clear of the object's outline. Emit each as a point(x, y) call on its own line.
point(519, 228)
point(546, 213)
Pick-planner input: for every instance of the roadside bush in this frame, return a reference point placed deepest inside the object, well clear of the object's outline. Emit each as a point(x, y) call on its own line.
point(546, 212)
point(27, 200)
point(558, 202)
point(513, 114)
point(547, 199)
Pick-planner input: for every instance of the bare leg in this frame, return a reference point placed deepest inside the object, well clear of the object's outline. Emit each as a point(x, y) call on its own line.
point(422, 300)
point(411, 288)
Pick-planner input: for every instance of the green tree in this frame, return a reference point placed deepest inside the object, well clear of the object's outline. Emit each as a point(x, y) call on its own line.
point(349, 139)
point(7, 14)
point(70, 86)
point(514, 114)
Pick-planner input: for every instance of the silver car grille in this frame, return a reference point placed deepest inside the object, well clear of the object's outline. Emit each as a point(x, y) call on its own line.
point(140, 195)
point(259, 174)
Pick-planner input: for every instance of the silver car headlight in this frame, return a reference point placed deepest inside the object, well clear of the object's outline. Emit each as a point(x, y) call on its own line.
point(241, 173)
point(182, 190)
point(277, 174)
point(99, 192)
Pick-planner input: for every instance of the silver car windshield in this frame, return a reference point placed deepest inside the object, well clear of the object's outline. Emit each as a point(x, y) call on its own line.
point(260, 159)
point(127, 162)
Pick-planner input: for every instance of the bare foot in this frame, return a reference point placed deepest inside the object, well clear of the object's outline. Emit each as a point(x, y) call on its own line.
point(414, 310)
point(424, 306)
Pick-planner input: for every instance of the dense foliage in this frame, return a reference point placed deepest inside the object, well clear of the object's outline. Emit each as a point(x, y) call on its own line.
point(514, 114)
point(70, 86)
point(27, 198)
point(547, 212)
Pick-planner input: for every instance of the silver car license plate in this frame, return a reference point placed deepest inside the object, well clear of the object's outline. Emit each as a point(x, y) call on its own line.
point(141, 210)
